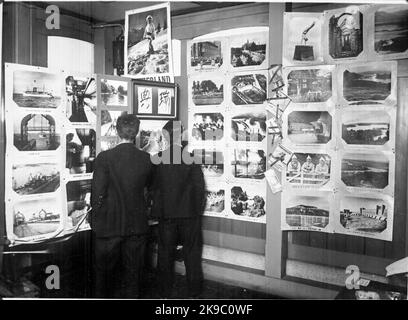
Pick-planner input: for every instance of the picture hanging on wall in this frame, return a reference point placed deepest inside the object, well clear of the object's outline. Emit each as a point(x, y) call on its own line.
point(151, 138)
point(154, 100)
point(215, 200)
point(248, 126)
point(114, 92)
point(248, 202)
point(148, 42)
point(78, 204)
point(248, 88)
point(303, 38)
point(205, 55)
point(206, 90)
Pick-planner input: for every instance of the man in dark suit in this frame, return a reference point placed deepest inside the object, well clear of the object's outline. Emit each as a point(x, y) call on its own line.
point(179, 201)
point(119, 216)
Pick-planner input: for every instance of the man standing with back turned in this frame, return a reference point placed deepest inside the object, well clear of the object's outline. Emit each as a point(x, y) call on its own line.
point(119, 215)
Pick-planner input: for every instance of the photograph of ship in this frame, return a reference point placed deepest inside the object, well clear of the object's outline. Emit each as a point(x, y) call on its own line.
point(248, 89)
point(78, 201)
point(208, 126)
point(35, 178)
point(309, 127)
point(249, 50)
point(148, 40)
point(36, 132)
point(81, 99)
point(346, 35)
point(114, 93)
point(248, 202)
point(365, 170)
point(249, 126)
point(206, 55)
point(366, 128)
point(391, 30)
point(36, 217)
point(151, 136)
point(363, 214)
point(211, 161)
point(366, 85)
point(302, 37)
point(309, 169)
point(207, 92)
point(310, 85)
point(32, 89)
point(81, 151)
point(249, 164)
point(215, 201)
point(108, 122)
point(307, 212)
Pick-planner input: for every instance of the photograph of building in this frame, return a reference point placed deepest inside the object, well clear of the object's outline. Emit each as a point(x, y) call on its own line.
point(248, 50)
point(309, 127)
point(206, 55)
point(307, 212)
point(248, 89)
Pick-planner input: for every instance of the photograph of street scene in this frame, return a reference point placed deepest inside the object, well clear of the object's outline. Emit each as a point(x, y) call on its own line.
point(206, 55)
point(309, 169)
point(215, 201)
point(363, 214)
point(36, 132)
point(208, 127)
point(310, 85)
point(248, 201)
point(346, 34)
point(33, 89)
point(391, 30)
point(249, 126)
point(114, 93)
point(248, 89)
point(307, 212)
point(249, 50)
point(207, 91)
point(366, 128)
point(365, 170)
point(36, 217)
point(249, 164)
point(309, 127)
point(367, 84)
point(35, 178)
point(212, 162)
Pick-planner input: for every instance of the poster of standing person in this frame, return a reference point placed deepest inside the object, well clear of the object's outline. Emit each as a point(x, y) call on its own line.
point(389, 39)
point(372, 84)
point(148, 42)
point(369, 216)
point(303, 38)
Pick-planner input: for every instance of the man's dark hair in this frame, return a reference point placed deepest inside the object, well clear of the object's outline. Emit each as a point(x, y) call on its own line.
point(127, 126)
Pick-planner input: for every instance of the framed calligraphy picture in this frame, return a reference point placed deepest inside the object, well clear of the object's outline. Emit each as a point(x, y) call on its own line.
point(154, 100)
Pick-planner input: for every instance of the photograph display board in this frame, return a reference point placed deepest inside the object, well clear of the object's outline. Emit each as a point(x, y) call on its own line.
point(227, 90)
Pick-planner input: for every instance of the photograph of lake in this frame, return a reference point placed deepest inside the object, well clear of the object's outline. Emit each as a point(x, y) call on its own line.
point(391, 30)
point(114, 93)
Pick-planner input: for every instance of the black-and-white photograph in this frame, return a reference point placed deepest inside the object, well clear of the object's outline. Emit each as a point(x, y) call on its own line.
point(206, 55)
point(250, 126)
point(36, 217)
point(310, 85)
point(248, 89)
point(248, 201)
point(391, 30)
point(346, 34)
point(309, 127)
point(151, 136)
point(211, 161)
point(207, 91)
point(248, 164)
point(81, 150)
point(108, 122)
point(114, 93)
point(366, 128)
point(248, 50)
point(81, 99)
point(208, 127)
point(36, 132)
point(307, 212)
point(215, 201)
point(369, 171)
point(309, 169)
point(35, 178)
point(34, 89)
point(363, 214)
point(367, 84)
point(78, 202)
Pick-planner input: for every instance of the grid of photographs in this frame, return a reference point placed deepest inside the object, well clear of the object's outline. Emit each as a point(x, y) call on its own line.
point(227, 89)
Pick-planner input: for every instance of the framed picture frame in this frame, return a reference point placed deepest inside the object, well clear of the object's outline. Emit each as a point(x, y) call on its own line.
point(154, 100)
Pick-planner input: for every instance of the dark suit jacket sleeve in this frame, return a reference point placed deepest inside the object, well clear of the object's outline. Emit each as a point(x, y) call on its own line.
point(100, 182)
point(199, 188)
